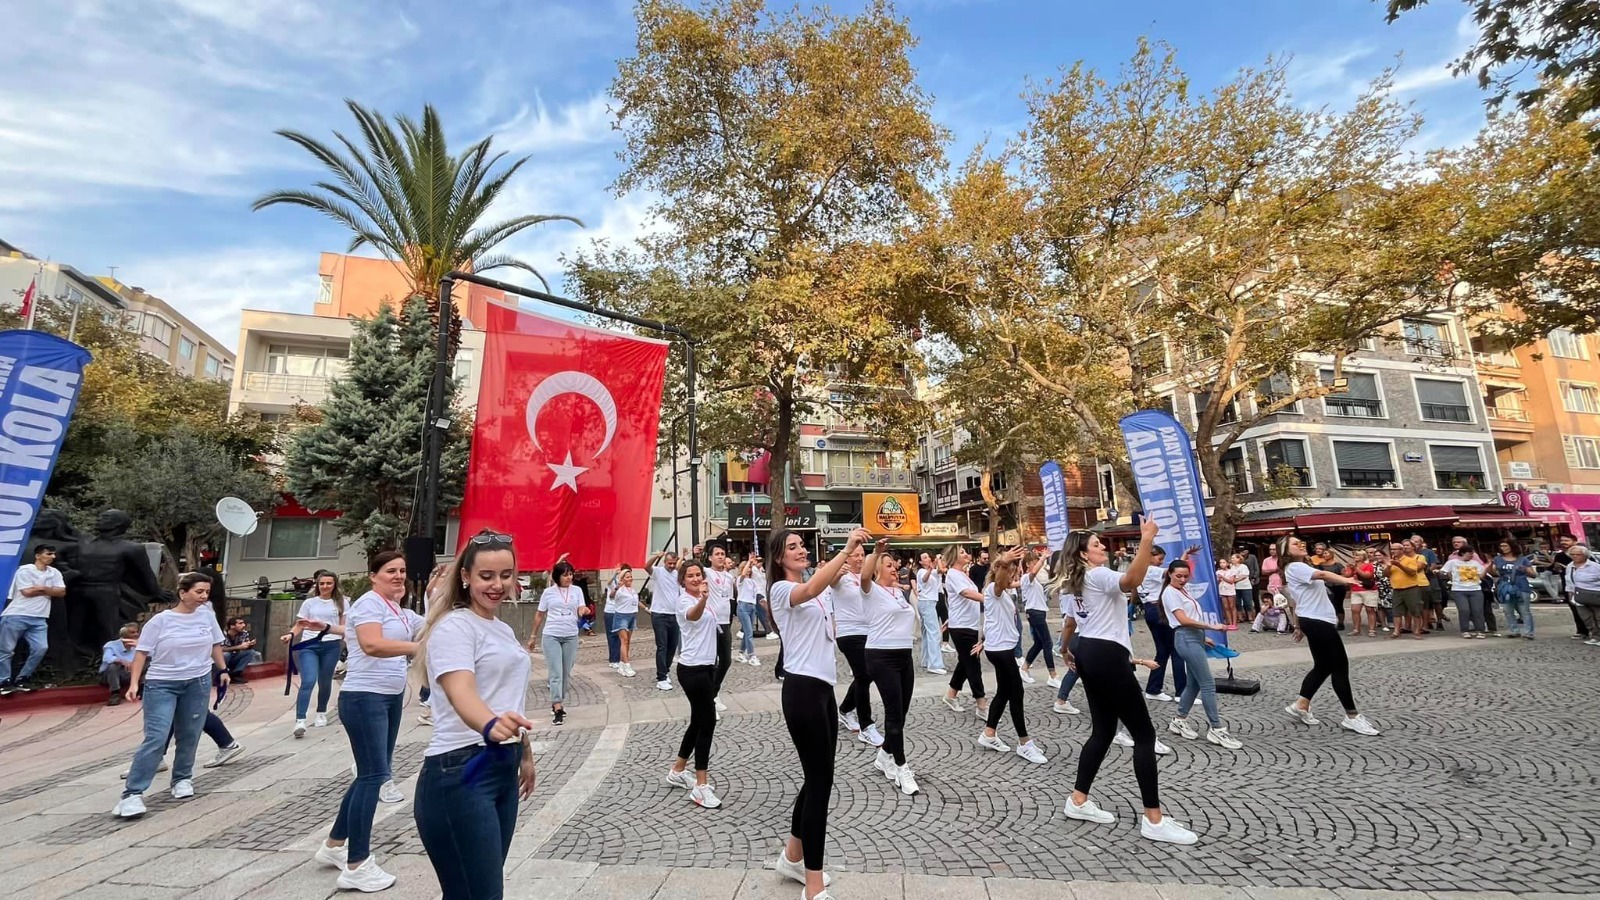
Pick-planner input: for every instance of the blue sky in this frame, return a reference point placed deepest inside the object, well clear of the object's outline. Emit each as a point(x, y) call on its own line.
point(135, 133)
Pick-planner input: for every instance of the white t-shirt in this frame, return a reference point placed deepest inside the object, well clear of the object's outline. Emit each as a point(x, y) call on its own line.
point(891, 619)
point(624, 600)
point(320, 610)
point(1225, 587)
point(1173, 600)
point(665, 590)
point(849, 607)
point(999, 620)
point(807, 632)
point(377, 674)
point(928, 585)
point(1310, 597)
point(699, 646)
point(747, 590)
point(1241, 577)
point(179, 644)
point(1465, 574)
point(560, 607)
point(463, 641)
point(1033, 598)
point(723, 585)
point(28, 576)
point(1105, 607)
point(964, 613)
point(1150, 588)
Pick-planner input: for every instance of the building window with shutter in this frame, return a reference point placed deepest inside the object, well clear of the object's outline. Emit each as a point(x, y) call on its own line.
point(1288, 462)
point(1227, 416)
point(1443, 401)
point(1233, 469)
point(1458, 468)
point(1582, 452)
point(1565, 344)
point(1359, 400)
point(1273, 390)
point(1364, 464)
point(1579, 398)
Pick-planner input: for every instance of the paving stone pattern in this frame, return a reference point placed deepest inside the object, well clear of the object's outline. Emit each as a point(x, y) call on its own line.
point(1484, 779)
point(157, 799)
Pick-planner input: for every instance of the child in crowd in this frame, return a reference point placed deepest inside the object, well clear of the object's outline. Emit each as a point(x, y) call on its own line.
point(1274, 614)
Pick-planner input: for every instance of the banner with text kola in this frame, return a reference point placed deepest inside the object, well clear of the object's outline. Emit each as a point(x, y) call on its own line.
point(1054, 489)
point(1168, 480)
point(40, 375)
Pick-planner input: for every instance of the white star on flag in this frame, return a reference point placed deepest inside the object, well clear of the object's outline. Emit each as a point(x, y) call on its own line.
point(567, 473)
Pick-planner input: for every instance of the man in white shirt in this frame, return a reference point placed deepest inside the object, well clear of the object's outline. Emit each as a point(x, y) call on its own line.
point(27, 617)
point(663, 608)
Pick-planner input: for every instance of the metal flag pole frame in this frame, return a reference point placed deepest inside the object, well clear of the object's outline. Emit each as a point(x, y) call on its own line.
point(437, 419)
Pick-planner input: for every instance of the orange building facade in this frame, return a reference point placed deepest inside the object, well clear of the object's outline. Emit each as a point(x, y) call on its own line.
point(358, 285)
point(1543, 402)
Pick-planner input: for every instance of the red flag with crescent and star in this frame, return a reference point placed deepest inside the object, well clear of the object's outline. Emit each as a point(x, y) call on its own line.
point(564, 448)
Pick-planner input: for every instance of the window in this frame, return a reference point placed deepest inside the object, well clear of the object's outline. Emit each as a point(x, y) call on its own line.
point(1272, 390)
point(1443, 401)
point(1425, 338)
point(1360, 399)
point(294, 538)
point(1233, 469)
point(1458, 468)
point(1165, 403)
point(1288, 462)
point(1582, 452)
point(1580, 398)
point(133, 322)
point(328, 362)
point(1364, 465)
point(325, 293)
point(1108, 490)
point(1565, 344)
point(942, 455)
point(185, 348)
point(945, 490)
point(158, 330)
point(1150, 356)
point(213, 367)
point(463, 367)
point(1228, 415)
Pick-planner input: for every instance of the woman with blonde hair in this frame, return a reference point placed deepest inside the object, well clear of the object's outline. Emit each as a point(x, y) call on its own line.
point(1000, 641)
point(964, 625)
point(697, 675)
point(478, 763)
point(315, 642)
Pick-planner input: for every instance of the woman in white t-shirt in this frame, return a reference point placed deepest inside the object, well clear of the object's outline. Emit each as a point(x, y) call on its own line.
point(555, 627)
point(1105, 662)
point(697, 675)
point(478, 763)
point(891, 625)
point(1037, 609)
point(965, 603)
point(1189, 629)
point(623, 608)
point(804, 619)
point(1315, 621)
point(1000, 639)
point(315, 642)
point(850, 619)
point(379, 636)
point(175, 655)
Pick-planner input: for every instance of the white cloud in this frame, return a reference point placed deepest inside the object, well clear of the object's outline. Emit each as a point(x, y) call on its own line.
point(534, 128)
point(211, 286)
point(1326, 71)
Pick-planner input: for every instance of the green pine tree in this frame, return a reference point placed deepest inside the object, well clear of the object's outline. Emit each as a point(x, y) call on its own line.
point(364, 457)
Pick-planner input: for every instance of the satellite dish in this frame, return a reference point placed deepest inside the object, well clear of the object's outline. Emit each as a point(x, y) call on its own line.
point(236, 516)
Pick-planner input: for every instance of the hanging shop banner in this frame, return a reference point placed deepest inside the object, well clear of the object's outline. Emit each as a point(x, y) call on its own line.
point(1055, 504)
point(1168, 480)
point(40, 375)
point(892, 515)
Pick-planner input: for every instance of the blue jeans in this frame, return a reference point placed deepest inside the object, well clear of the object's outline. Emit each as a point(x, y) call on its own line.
point(1040, 629)
point(1514, 606)
point(316, 664)
point(176, 708)
point(35, 630)
point(1246, 602)
point(467, 829)
point(1156, 618)
point(613, 643)
point(1017, 651)
point(560, 655)
point(929, 611)
point(1190, 646)
point(668, 640)
point(372, 722)
point(1071, 677)
point(748, 616)
point(239, 660)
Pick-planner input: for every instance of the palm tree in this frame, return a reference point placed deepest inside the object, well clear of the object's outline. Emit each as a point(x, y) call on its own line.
point(405, 196)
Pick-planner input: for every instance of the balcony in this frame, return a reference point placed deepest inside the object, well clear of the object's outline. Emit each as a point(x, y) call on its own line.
point(870, 477)
point(1508, 426)
point(1432, 348)
point(1487, 360)
point(268, 388)
point(1514, 471)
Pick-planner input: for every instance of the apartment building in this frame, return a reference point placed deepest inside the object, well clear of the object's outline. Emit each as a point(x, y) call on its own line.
point(170, 336)
point(1543, 404)
point(54, 282)
point(952, 492)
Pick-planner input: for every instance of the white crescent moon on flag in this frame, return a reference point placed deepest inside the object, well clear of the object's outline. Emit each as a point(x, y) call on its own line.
point(573, 383)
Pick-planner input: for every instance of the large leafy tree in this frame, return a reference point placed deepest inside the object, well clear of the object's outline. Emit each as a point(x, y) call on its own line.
point(400, 191)
point(363, 456)
point(787, 150)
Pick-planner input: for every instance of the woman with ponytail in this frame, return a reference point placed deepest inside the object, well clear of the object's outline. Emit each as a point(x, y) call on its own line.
point(318, 632)
point(1190, 642)
point(1315, 621)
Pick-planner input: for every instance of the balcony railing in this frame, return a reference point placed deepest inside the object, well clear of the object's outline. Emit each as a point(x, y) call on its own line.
point(1504, 414)
point(304, 387)
point(869, 477)
point(1431, 347)
point(1499, 359)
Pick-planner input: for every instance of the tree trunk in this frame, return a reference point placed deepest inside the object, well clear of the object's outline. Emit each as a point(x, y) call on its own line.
point(778, 459)
point(986, 488)
point(1226, 515)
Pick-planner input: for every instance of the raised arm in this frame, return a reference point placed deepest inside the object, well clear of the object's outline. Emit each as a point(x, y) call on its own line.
point(828, 573)
point(869, 569)
point(1131, 579)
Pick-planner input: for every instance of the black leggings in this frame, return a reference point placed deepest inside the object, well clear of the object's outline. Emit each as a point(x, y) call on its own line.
point(1040, 628)
point(968, 668)
point(697, 682)
point(812, 716)
point(1106, 670)
point(1328, 660)
point(1007, 689)
point(891, 671)
point(724, 657)
point(858, 698)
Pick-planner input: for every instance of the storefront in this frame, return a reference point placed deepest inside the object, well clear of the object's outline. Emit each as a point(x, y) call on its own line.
point(1353, 528)
point(1559, 513)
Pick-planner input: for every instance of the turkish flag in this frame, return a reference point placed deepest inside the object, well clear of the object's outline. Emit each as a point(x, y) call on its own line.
point(564, 448)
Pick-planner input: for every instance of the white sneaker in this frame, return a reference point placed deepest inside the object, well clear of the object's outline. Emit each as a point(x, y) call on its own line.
point(1162, 749)
point(182, 790)
point(721, 707)
point(1026, 678)
point(367, 878)
point(1183, 729)
point(299, 728)
point(703, 796)
point(773, 636)
point(938, 670)
point(849, 721)
point(906, 781)
point(1088, 812)
point(954, 703)
point(1122, 739)
point(1170, 831)
point(425, 720)
point(871, 735)
point(946, 648)
point(1359, 725)
point(336, 857)
point(992, 743)
point(389, 793)
point(1031, 753)
point(982, 712)
point(740, 658)
point(1163, 697)
point(754, 660)
point(884, 763)
point(1065, 708)
point(224, 755)
point(663, 685)
point(1223, 739)
point(129, 807)
point(795, 870)
point(615, 665)
point(321, 721)
point(680, 779)
point(1304, 715)
point(627, 671)
point(1053, 682)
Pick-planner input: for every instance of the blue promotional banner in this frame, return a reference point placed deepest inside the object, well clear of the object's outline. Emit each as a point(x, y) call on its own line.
point(1168, 479)
point(40, 375)
point(1055, 505)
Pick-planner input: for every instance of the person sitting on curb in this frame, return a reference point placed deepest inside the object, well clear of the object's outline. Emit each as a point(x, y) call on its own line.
point(116, 662)
point(239, 648)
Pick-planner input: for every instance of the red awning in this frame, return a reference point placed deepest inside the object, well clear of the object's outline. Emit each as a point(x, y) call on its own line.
point(1266, 527)
point(1355, 519)
point(1496, 520)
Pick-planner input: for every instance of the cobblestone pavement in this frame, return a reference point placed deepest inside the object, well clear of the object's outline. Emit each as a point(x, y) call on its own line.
point(1483, 782)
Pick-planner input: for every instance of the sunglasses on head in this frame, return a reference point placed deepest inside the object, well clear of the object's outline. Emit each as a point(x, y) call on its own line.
point(482, 539)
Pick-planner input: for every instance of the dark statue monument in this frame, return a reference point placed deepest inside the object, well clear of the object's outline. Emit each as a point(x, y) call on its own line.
point(112, 584)
point(52, 527)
